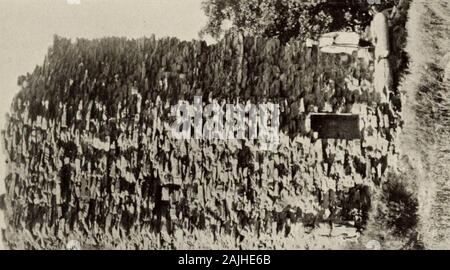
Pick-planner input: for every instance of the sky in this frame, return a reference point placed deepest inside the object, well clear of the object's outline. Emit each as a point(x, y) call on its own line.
point(27, 28)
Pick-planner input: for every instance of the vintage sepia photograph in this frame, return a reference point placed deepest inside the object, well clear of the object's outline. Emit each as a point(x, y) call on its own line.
point(224, 125)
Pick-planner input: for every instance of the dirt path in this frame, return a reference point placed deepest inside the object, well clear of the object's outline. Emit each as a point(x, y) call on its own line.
point(426, 113)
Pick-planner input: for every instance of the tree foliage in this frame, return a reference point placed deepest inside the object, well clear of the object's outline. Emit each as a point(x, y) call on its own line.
point(286, 19)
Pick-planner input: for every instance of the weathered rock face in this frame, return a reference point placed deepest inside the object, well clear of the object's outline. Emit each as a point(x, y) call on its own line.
point(90, 159)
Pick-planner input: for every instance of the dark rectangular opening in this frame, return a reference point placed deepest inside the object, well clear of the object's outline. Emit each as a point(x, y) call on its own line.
point(2, 202)
point(336, 126)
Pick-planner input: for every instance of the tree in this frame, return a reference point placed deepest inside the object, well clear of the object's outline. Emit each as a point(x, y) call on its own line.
point(286, 19)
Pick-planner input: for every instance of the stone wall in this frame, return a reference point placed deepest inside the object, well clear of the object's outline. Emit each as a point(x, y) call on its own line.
point(89, 157)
